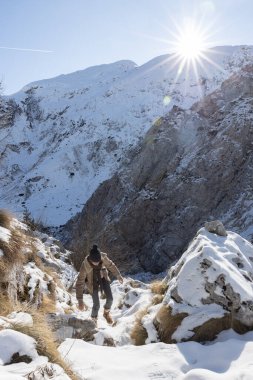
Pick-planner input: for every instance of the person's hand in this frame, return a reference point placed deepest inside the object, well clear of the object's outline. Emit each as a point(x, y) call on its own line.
point(121, 279)
point(82, 306)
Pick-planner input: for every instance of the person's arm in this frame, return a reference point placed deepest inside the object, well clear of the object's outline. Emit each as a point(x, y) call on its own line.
point(79, 288)
point(109, 264)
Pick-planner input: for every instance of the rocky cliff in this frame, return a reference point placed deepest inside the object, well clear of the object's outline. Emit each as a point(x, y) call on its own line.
point(192, 165)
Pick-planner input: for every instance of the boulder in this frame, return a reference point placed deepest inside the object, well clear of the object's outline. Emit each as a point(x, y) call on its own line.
point(216, 227)
point(210, 289)
point(69, 326)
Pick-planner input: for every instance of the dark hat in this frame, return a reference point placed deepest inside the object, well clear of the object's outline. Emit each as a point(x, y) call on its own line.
point(95, 254)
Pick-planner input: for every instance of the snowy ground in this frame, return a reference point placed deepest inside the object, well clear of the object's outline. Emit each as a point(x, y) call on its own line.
point(229, 358)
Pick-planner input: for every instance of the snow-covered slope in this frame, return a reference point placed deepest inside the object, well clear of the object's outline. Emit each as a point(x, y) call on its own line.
point(62, 137)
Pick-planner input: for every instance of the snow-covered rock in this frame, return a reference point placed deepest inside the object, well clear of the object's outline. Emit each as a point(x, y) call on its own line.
point(18, 319)
point(210, 289)
point(12, 342)
point(19, 359)
point(82, 125)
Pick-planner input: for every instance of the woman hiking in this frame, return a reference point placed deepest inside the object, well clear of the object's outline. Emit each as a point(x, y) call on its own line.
point(94, 275)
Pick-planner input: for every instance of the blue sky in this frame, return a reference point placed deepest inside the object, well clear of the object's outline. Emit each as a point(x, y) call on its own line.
point(75, 34)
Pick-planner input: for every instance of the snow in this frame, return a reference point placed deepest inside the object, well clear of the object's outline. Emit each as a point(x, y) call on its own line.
point(18, 318)
point(228, 359)
point(5, 234)
point(14, 341)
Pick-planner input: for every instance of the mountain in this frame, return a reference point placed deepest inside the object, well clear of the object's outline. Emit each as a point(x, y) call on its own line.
point(62, 137)
point(193, 165)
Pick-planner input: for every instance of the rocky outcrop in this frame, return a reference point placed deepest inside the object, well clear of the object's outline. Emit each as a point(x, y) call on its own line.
point(213, 281)
point(193, 165)
point(8, 111)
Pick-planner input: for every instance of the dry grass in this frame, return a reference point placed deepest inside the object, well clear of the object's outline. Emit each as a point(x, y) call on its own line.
point(158, 298)
point(158, 287)
point(48, 305)
point(166, 323)
point(139, 333)
point(69, 310)
point(209, 330)
point(5, 218)
point(12, 250)
point(12, 258)
point(40, 331)
point(6, 306)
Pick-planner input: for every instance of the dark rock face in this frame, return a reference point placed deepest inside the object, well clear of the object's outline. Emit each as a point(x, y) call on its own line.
point(193, 165)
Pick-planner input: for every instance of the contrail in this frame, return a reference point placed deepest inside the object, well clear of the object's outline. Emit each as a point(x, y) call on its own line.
point(20, 49)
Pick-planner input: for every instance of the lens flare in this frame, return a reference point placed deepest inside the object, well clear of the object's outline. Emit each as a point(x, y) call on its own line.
point(190, 43)
point(166, 100)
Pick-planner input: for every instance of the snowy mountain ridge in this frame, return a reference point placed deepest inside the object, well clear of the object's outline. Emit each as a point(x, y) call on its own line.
point(61, 137)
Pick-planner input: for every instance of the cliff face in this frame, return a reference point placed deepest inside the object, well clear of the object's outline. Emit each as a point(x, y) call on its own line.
point(193, 165)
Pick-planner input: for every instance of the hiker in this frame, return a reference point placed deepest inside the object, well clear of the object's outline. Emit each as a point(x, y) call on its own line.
point(94, 275)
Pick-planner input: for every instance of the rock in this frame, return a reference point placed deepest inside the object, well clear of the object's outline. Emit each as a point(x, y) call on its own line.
point(67, 326)
point(17, 358)
point(216, 227)
point(210, 289)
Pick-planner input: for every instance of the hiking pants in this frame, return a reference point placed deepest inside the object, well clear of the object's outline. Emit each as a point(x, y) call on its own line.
point(95, 298)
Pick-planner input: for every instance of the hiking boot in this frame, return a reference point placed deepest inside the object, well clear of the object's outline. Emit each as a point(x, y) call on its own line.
point(108, 317)
point(95, 320)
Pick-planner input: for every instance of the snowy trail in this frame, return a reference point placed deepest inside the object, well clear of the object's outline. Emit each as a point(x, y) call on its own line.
point(228, 360)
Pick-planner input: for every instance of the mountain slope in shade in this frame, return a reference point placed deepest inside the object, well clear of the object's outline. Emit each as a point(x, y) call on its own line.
point(62, 137)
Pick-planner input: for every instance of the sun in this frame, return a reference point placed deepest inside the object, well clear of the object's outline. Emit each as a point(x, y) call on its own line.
point(190, 44)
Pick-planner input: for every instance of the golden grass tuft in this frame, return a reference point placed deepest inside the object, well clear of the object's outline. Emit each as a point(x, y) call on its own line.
point(6, 306)
point(158, 287)
point(13, 249)
point(158, 298)
point(5, 218)
point(139, 333)
point(166, 323)
point(48, 305)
